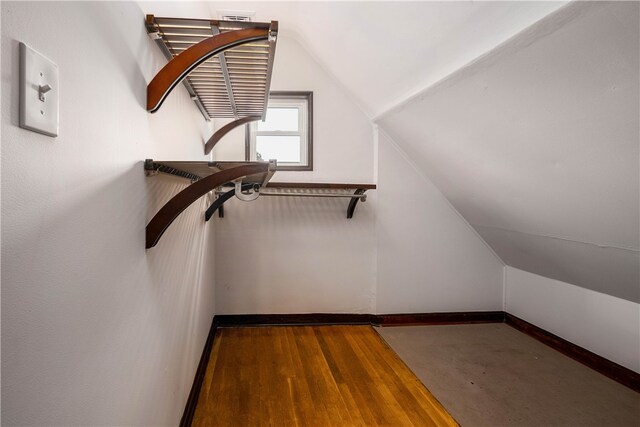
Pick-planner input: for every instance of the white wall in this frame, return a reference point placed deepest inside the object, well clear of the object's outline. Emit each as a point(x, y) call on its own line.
point(429, 258)
point(400, 253)
point(294, 255)
point(96, 330)
point(342, 135)
point(301, 255)
point(601, 323)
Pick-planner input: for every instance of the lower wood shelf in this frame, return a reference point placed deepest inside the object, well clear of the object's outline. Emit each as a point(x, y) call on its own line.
point(205, 177)
point(219, 176)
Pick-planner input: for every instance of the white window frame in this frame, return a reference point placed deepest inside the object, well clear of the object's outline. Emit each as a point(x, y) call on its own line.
point(303, 102)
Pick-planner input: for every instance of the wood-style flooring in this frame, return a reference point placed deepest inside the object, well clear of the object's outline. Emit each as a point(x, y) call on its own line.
point(311, 376)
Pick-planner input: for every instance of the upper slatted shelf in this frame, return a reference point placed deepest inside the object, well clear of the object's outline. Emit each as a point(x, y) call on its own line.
point(232, 84)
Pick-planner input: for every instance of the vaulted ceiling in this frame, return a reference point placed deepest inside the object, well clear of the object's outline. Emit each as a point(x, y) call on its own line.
point(383, 52)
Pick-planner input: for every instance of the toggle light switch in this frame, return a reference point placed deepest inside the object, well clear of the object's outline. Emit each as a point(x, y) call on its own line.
point(39, 89)
point(42, 90)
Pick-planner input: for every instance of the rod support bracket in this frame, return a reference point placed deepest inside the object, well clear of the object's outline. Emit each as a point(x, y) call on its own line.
point(354, 201)
point(247, 195)
point(149, 168)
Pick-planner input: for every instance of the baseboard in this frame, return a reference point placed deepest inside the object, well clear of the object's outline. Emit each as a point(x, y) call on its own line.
point(598, 363)
point(361, 319)
point(451, 318)
point(192, 400)
point(293, 319)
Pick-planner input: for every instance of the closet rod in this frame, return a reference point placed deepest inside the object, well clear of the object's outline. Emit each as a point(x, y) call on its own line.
point(349, 196)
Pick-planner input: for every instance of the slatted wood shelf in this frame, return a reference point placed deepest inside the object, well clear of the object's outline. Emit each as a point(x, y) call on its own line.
point(232, 82)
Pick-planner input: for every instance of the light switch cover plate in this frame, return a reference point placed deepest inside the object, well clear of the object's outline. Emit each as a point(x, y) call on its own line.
point(38, 103)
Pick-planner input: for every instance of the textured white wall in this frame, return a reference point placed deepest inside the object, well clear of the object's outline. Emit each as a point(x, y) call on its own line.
point(96, 330)
point(301, 255)
point(606, 325)
point(429, 258)
point(400, 253)
point(342, 136)
point(293, 255)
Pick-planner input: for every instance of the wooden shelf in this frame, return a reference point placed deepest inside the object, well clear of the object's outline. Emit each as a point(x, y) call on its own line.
point(197, 170)
point(226, 67)
point(205, 177)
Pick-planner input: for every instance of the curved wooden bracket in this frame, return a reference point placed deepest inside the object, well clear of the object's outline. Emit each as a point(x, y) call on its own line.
point(353, 202)
point(217, 136)
point(180, 66)
point(174, 207)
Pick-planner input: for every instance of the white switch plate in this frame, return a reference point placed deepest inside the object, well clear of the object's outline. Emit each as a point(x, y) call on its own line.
point(36, 72)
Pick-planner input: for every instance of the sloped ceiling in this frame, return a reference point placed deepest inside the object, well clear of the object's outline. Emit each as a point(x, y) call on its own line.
point(382, 52)
point(537, 145)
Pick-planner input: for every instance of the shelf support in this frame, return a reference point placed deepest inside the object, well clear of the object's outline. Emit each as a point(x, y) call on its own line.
point(217, 136)
point(217, 203)
point(273, 32)
point(181, 201)
point(180, 66)
point(354, 201)
point(225, 74)
point(156, 36)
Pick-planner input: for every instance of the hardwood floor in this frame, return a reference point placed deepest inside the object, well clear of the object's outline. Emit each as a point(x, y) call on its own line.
point(312, 376)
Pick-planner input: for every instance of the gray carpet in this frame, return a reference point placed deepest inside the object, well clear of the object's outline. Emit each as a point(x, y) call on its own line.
point(493, 375)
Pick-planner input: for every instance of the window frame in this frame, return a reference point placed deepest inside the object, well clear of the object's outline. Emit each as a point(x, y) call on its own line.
point(304, 96)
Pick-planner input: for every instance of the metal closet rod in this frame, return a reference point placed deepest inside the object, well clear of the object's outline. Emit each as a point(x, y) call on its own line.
point(348, 196)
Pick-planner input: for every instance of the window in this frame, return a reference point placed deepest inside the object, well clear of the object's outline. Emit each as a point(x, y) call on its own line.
point(286, 134)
